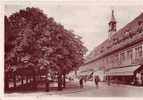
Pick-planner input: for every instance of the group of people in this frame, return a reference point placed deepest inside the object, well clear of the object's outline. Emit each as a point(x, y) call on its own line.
point(96, 81)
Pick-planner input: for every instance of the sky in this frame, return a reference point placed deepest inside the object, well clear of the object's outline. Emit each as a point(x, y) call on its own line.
point(90, 21)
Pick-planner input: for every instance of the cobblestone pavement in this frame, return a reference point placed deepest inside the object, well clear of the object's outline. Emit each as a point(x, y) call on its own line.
point(89, 90)
point(114, 90)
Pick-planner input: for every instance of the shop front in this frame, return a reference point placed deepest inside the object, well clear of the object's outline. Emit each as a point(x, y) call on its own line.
point(132, 74)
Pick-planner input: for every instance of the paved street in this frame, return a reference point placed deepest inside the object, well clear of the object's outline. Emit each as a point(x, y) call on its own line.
point(113, 90)
point(90, 90)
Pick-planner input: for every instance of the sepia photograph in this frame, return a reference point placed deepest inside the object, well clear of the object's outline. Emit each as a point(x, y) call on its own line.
point(73, 49)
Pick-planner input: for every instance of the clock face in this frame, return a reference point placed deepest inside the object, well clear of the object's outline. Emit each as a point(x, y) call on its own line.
point(112, 26)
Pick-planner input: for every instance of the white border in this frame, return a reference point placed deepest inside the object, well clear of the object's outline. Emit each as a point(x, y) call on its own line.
point(95, 2)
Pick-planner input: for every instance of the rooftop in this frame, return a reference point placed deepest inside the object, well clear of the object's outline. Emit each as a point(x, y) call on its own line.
point(125, 35)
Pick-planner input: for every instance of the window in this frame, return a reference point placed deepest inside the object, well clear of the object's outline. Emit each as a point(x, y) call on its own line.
point(122, 56)
point(107, 61)
point(130, 54)
point(138, 51)
point(117, 57)
point(140, 26)
point(104, 62)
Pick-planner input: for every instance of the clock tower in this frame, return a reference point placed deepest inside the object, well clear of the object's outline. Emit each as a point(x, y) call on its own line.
point(112, 25)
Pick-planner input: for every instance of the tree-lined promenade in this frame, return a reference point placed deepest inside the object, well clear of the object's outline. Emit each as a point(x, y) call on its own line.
point(36, 46)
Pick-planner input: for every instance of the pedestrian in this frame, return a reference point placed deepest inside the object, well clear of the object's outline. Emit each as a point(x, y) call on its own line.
point(108, 80)
point(139, 81)
point(81, 82)
point(142, 78)
point(96, 80)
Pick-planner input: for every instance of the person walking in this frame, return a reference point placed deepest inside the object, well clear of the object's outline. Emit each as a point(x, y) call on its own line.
point(96, 80)
point(138, 77)
point(108, 80)
point(81, 82)
point(142, 78)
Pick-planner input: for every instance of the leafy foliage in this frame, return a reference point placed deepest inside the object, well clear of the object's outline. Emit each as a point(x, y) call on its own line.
point(33, 38)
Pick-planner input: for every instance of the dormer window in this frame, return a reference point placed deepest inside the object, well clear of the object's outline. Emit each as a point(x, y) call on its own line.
point(140, 27)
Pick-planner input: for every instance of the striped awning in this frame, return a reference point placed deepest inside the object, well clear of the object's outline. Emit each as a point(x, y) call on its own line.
point(122, 71)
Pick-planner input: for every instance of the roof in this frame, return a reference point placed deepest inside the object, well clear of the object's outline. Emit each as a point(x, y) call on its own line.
point(122, 35)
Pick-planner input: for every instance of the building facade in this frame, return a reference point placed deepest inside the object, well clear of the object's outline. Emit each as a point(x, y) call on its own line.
point(121, 55)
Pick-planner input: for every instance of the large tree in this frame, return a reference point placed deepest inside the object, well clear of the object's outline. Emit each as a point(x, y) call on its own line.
point(32, 39)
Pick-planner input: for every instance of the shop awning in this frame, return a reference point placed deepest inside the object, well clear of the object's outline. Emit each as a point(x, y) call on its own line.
point(123, 71)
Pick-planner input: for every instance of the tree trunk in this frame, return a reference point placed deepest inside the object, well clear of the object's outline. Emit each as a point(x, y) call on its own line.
point(34, 80)
point(59, 82)
point(14, 79)
point(30, 78)
point(47, 83)
point(27, 79)
point(64, 80)
point(6, 81)
point(22, 80)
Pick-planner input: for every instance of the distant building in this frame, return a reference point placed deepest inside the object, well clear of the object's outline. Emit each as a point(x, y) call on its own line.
point(121, 55)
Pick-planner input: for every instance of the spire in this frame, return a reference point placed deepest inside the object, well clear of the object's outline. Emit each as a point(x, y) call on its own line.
point(113, 17)
point(112, 24)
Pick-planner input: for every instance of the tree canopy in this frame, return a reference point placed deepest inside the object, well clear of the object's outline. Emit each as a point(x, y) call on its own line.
point(34, 39)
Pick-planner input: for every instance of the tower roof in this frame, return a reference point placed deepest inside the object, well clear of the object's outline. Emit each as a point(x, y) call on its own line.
point(112, 17)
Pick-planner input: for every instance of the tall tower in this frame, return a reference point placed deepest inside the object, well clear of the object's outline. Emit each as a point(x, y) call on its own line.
point(112, 25)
